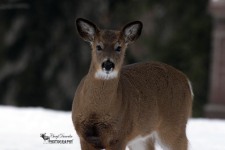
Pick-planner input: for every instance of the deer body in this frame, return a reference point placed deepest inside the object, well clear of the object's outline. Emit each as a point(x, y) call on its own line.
point(135, 105)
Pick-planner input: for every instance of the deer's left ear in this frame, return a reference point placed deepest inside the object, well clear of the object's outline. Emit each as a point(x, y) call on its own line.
point(132, 31)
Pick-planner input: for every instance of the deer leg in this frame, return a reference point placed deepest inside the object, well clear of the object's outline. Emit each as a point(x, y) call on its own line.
point(182, 142)
point(86, 146)
point(118, 145)
point(150, 143)
point(175, 141)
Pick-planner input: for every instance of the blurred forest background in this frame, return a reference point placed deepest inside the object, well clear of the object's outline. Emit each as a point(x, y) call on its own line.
point(42, 58)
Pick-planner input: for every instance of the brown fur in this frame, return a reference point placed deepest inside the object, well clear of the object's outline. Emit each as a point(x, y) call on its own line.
point(145, 97)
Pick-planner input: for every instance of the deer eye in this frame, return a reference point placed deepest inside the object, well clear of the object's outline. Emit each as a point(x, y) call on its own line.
point(98, 47)
point(118, 48)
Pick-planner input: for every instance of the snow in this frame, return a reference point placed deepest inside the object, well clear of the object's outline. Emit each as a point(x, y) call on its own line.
point(20, 129)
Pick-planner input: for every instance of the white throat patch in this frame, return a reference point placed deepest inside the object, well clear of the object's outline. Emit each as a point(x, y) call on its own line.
point(103, 75)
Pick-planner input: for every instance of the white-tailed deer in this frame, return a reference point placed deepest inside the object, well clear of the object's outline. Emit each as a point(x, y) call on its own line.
point(131, 106)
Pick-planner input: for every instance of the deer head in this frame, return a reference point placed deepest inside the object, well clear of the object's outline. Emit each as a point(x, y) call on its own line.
point(108, 46)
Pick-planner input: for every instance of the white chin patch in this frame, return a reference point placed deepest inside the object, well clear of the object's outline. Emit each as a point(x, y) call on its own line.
point(106, 75)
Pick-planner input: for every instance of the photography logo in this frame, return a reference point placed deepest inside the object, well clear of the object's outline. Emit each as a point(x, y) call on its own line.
point(56, 138)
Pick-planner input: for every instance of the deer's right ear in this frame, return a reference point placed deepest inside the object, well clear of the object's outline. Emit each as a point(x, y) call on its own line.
point(86, 29)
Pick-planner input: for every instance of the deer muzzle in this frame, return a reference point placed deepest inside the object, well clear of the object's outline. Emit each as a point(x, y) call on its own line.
point(108, 66)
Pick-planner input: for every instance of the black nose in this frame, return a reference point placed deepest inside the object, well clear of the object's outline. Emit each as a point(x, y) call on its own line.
point(108, 65)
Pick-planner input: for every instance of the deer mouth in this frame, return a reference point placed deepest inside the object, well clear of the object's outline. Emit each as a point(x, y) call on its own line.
point(107, 71)
point(108, 66)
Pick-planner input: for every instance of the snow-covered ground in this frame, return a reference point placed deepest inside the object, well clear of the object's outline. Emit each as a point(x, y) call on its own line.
point(20, 129)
